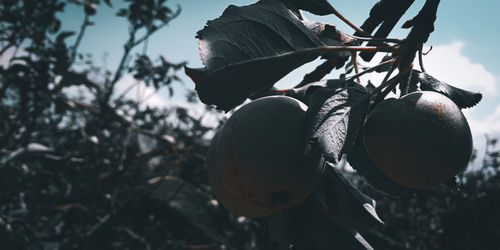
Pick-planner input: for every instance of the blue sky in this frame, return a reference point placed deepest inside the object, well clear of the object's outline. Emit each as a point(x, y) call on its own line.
point(465, 45)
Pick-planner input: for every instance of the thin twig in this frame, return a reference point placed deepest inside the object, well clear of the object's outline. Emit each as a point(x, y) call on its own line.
point(117, 101)
point(390, 71)
point(374, 68)
point(390, 84)
point(348, 22)
point(355, 64)
point(421, 59)
point(98, 225)
point(376, 39)
point(138, 129)
point(135, 236)
point(83, 27)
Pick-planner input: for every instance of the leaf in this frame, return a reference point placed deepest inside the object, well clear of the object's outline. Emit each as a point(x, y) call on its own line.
point(359, 159)
point(332, 236)
point(318, 7)
point(304, 93)
point(108, 3)
point(306, 226)
point(331, 36)
point(122, 12)
point(250, 48)
point(185, 198)
point(347, 206)
point(461, 97)
point(334, 116)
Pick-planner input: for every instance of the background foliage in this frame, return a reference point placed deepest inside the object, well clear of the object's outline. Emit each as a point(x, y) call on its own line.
point(104, 172)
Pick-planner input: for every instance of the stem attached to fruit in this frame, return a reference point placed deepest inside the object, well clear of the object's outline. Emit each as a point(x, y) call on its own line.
point(390, 84)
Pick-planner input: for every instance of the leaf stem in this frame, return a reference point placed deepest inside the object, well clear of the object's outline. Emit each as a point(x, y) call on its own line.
point(374, 68)
point(390, 84)
point(348, 22)
point(421, 59)
point(377, 39)
point(355, 63)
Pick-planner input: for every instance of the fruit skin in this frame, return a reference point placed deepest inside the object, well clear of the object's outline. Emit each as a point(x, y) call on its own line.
point(257, 163)
point(420, 140)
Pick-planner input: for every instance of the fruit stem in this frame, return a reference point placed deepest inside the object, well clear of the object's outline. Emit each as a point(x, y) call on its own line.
point(390, 84)
point(421, 59)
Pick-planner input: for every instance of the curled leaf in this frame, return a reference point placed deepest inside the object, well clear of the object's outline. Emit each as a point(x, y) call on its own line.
point(347, 205)
point(461, 97)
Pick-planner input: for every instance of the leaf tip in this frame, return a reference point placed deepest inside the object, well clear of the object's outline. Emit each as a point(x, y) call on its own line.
point(197, 75)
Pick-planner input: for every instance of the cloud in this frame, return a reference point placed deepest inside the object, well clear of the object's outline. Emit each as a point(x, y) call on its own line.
point(489, 125)
point(139, 91)
point(448, 63)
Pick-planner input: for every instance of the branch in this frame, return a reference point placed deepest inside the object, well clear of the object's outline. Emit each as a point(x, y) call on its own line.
point(74, 48)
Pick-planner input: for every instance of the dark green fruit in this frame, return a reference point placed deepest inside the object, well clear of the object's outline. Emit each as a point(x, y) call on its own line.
point(256, 162)
point(419, 140)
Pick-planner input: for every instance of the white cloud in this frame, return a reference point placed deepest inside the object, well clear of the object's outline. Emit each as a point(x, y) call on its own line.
point(139, 91)
point(490, 125)
point(448, 63)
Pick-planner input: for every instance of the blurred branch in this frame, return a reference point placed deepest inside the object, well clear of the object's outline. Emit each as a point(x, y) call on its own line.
point(165, 139)
point(83, 27)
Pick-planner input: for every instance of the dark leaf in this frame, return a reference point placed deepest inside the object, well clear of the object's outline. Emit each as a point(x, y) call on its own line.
point(379, 17)
point(304, 93)
point(122, 12)
point(332, 236)
point(320, 71)
point(108, 3)
point(318, 7)
point(184, 197)
point(347, 206)
point(359, 159)
point(463, 98)
point(250, 48)
point(334, 116)
point(90, 8)
point(63, 35)
point(329, 35)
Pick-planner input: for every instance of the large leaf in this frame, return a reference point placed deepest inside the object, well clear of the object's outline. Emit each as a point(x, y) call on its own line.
point(318, 7)
point(334, 117)
point(347, 205)
point(463, 98)
point(306, 226)
point(185, 198)
point(359, 159)
point(248, 49)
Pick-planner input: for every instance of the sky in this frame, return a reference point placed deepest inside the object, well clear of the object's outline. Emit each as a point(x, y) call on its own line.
point(465, 48)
